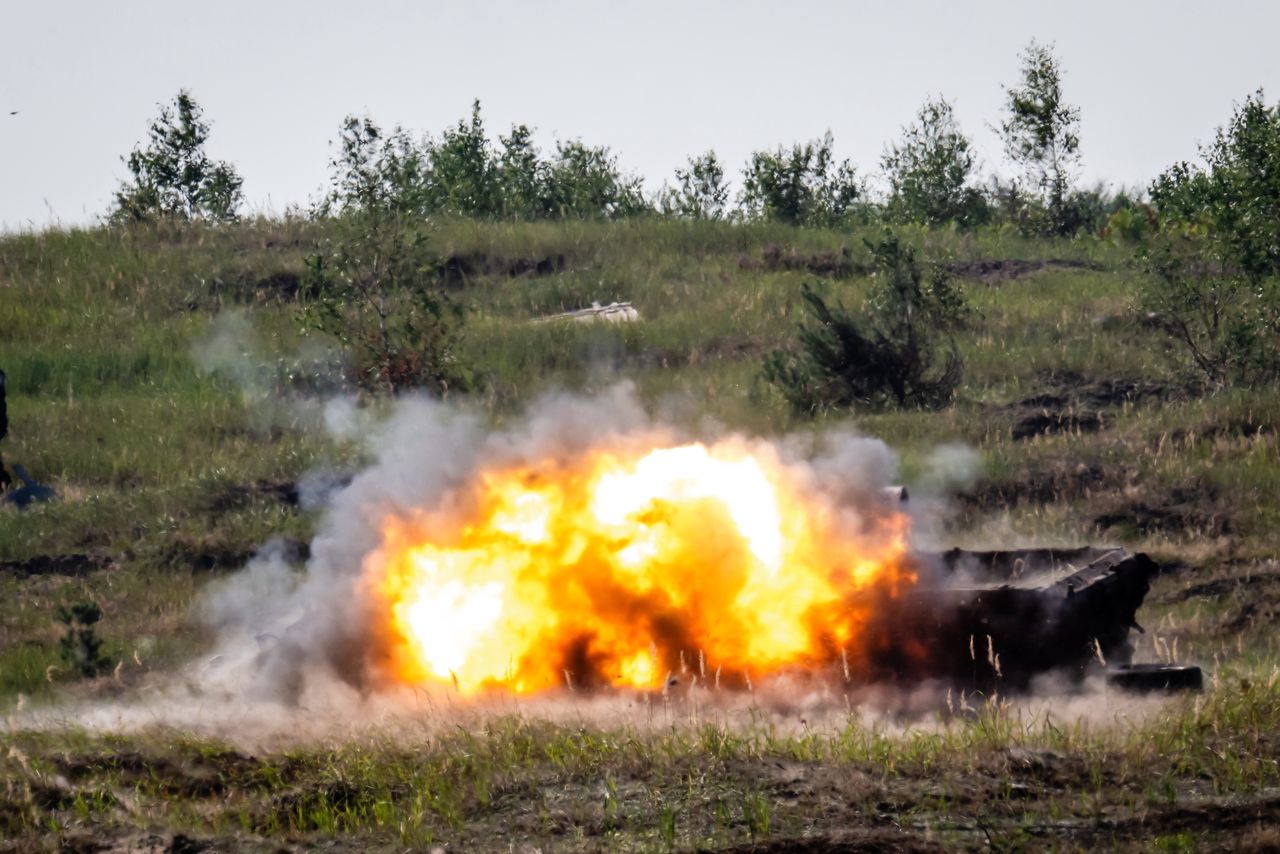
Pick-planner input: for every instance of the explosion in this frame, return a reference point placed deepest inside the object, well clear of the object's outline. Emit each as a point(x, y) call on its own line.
point(622, 565)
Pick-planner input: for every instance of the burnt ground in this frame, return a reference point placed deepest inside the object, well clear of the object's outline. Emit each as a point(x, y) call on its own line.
point(238, 495)
point(213, 552)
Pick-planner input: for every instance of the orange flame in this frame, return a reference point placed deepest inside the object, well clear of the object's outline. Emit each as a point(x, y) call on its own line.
point(623, 565)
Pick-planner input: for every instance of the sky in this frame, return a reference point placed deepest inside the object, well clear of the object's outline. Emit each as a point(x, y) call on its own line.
point(656, 81)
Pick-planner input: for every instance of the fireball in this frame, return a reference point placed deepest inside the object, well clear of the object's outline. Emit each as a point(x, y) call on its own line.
point(624, 565)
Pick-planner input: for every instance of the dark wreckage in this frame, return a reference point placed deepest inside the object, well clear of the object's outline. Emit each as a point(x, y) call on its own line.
point(994, 621)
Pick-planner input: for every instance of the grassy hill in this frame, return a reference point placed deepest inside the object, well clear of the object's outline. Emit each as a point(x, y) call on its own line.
point(172, 472)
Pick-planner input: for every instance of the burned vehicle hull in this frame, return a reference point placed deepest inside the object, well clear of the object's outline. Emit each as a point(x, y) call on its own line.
point(994, 621)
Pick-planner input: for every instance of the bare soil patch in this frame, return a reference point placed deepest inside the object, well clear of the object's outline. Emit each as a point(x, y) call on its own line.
point(251, 287)
point(1060, 480)
point(212, 553)
point(1079, 405)
point(236, 496)
point(1196, 507)
point(458, 270)
point(833, 264)
point(994, 271)
point(68, 565)
point(1254, 581)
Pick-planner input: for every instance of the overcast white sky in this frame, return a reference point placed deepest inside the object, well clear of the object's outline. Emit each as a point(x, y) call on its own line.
point(656, 81)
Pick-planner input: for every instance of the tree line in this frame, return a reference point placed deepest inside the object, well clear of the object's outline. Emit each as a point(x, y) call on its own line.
point(1207, 234)
point(931, 171)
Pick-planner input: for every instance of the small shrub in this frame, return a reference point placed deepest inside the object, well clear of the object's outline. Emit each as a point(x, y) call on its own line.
point(521, 176)
point(897, 352)
point(375, 287)
point(462, 175)
point(700, 191)
point(376, 172)
point(81, 647)
point(1224, 323)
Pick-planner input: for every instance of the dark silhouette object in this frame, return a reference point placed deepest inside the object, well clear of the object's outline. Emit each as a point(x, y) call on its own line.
point(81, 647)
point(994, 621)
point(1156, 678)
point(29, 492)
point(5, 480)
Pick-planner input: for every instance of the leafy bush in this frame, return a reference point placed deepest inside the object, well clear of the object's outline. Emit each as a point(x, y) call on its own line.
point(1097, 210)
point(930, 169)
point(173, 178)
point(375, 287)
point(375, 172)
point(585, 182)
point(803, 186)
point(80, 647)
point(1132, 222)
point(897, 352)
point(700, 191)
point(1214, 269)
point(1236, 195)
point(1223, 321)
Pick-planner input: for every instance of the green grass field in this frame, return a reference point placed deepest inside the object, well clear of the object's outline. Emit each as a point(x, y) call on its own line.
point(170, 477)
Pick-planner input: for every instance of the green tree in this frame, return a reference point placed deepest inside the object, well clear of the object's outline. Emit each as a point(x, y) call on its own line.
point(1236, 194)
point(585, 182)
point(700, 191)
point(173, 177)
point(375, 172)
point(899, 351)
point(375, 286)
point(1214, 268)
point(802, 186)
point(522, 177)
point(462, 174)
point(1042, 134)
point(930, 168)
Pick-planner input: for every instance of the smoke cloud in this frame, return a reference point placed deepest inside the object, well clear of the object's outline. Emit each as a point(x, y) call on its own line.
point(304, 390)
point(282, 629)
point(292, 655)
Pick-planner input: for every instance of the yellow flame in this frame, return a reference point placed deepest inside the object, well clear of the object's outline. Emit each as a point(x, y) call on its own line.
point(610, 566)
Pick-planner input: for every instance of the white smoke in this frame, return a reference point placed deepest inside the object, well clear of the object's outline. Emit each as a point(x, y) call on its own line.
point(948, 468)
point(303, 390)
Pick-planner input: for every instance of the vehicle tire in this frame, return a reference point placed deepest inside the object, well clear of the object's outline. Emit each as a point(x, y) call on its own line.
point(1155, 678)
